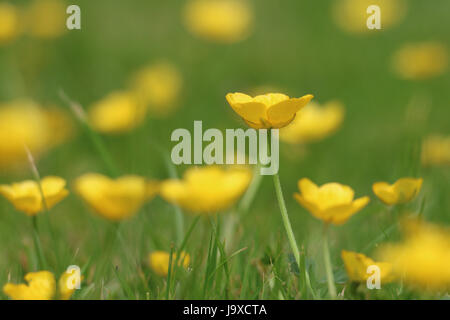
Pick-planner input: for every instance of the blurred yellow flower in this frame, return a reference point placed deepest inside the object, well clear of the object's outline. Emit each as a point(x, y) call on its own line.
point(159, 261)
point(207, 189)
point(331, 202)
point(423, 258)
point(46, 19)
point(118, 112)
point(422, 60)
point(157, 88)
point(272, 110)
point(66, 292)
point(24, 123)
point(402, 191)
point(41, 286)
point(356, 265)
point(436, 151)
point(9, 22)
point(351, 15)
point(313, 123)
point(116, 199)
point(225, 21)
point(26, 196)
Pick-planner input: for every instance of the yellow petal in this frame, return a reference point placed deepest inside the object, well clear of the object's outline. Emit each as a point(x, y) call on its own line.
point(282, 113)
point(248, 109)
point(41, 286)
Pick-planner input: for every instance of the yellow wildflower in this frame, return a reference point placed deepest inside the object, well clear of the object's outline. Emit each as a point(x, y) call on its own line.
point(66, 291)
point(41, 286)
point(436, 151)
point(272, 110)
point(423, 60)
point(116, 199)
point(225, 21)
point(159, 261)
point(46, 19)
point(117, 112)
point(157, 88)
point(331, 203)
point(207, 189)
point(26, 196)
point(351, 15)
point(21, 123)
point(423, 257)
point(313, 123)
point(356, 265)
point(402, 191)
point(9, 22)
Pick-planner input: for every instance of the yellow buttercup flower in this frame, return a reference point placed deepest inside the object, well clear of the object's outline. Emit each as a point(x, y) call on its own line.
point(272, 110)
point(26, 196)
point(207, 189)
point(423, 257)
point(9, 22)
point(351, 15)
point(402, 191)
point(159, 261)
point(65, 291)
point(356, 265)
point(423, 60)
point(313, 123)
point(331, 202)
point(436, 151)
point(46, 19)
point(157, 88)
point(24, 123)
point(225, 21)
point(118, 112)
point(116, 199)
point(41, 286)
point(21, 123)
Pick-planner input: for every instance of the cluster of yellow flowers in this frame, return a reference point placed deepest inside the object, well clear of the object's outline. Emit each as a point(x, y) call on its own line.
point(153, 89)
point(43, 19)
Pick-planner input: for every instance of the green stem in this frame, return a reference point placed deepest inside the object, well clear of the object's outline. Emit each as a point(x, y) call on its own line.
point(328, 268)
point(290, 233)
point(38, 246)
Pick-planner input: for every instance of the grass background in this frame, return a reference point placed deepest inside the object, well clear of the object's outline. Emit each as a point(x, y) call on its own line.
point(296, 47)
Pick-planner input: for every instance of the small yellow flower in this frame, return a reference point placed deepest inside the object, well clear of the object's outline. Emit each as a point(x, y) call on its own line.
point(113, 199)
point(118, 112)
point(26, 196)
point(41, 286)
point(225, 21)
point(9, 22)
point(157, 88)
point(331, 203)
point(313, 123)
point(272, 110)
point(66, 291)
point(46, 19)
point(351, 15)
point(207, 189)
point(436, 151)
point(21, 123)
point(402, 191)
point(423, 60)
point(356, 265)
point(159, 261)
point(423, 257)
